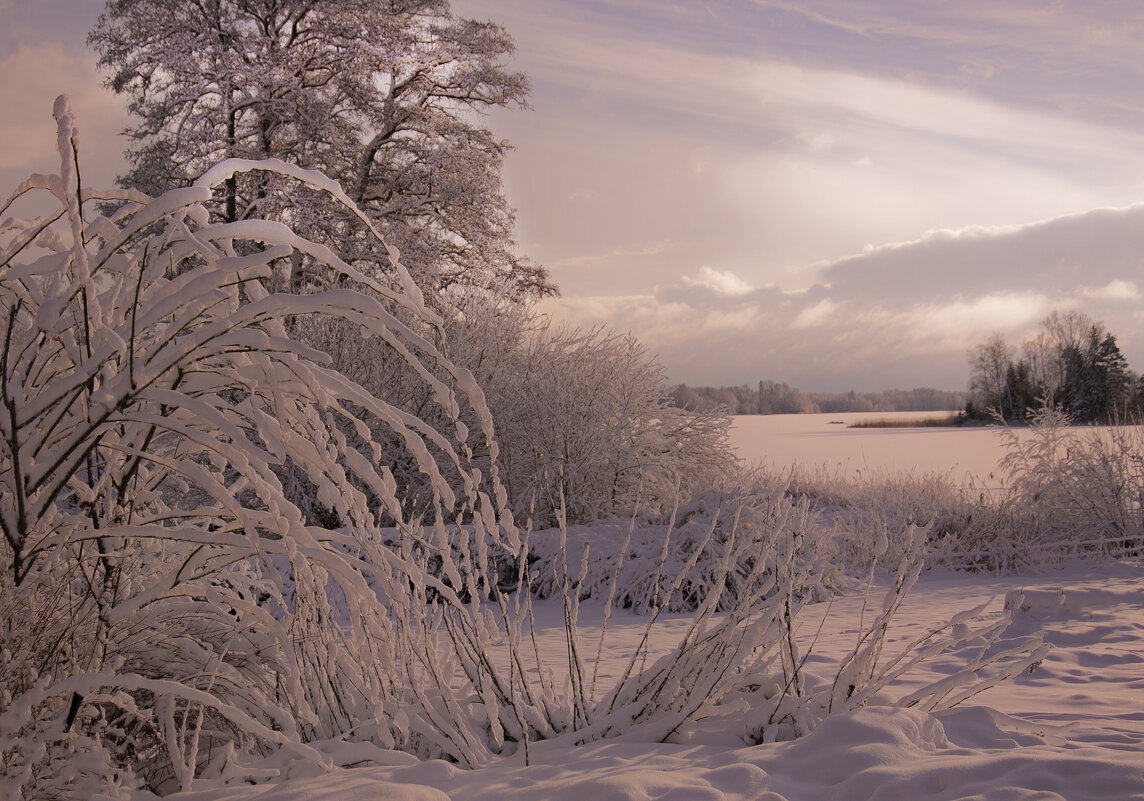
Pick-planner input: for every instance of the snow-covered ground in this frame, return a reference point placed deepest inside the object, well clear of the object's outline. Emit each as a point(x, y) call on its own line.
point(1073, 729)
point(782, 441)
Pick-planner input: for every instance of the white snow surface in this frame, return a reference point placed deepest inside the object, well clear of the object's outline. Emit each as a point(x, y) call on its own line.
point(1073, 729)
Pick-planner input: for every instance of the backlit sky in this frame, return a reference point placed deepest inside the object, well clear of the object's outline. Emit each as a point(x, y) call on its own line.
point(835, 193)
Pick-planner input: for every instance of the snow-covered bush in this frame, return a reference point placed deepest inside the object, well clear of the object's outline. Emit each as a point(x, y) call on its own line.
point(705, 548)
point(168, 612)
point(786, 700)
point(1081, 487)
point(742, 571)
point(749, 663)
point(585, 421)
point(583, 418)
point(870, 514)
point(1065, 492)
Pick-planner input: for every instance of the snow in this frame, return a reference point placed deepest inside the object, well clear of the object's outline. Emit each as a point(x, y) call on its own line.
point(1072, 729)
point(813, 440)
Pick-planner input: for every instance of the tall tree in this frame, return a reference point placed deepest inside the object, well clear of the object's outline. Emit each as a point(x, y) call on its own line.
point(383, 96)
point(988, 366)
point(1097, 386)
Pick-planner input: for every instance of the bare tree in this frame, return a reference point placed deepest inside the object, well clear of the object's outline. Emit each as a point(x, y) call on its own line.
point(1067, 329)
point(988, 367)
point(1046, 371)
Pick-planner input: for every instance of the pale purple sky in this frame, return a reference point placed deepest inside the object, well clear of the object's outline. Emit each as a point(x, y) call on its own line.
point(834, 193)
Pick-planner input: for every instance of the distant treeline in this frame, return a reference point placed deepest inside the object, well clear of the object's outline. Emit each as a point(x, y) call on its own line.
point(772, 397)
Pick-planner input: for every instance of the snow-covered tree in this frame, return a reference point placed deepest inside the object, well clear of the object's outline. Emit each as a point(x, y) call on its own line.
point(384, 97)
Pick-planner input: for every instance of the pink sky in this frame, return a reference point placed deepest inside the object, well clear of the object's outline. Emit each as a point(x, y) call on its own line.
point(832, 194)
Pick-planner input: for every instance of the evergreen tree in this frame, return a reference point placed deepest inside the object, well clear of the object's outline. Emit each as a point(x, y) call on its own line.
point(1021, 394)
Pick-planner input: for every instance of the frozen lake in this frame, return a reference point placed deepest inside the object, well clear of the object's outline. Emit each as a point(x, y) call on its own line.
point(782, 441)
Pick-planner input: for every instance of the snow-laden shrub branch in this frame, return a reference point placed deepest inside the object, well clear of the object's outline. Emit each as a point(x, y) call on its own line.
point(163, 597)
point(790, 701)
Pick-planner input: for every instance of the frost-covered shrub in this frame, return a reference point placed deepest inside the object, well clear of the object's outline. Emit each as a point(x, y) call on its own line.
point(1082, 487)
point(786, 700)
point(1066, 492)
point(583, 419)
point(585, 422)
point(870, 516)
point(753, 575)
point(749, 663)
point(168, 612)
point(703, 549)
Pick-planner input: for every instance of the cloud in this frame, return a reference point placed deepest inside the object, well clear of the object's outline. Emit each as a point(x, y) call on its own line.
point(893, 316)
point(859, 159)
point(622, 253)
point(34, 75)
point(1055, 256)
point(1113, 290)
point(839, 126)
point(723, 283)
point(854, 102)
point(816, 316)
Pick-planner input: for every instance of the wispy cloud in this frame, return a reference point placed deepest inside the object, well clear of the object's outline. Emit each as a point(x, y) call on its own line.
point(1113, 290)
point(619, 254)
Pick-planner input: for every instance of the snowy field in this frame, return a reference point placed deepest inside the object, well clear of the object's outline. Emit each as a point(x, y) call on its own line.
point(815, 440)
point(1072, 730)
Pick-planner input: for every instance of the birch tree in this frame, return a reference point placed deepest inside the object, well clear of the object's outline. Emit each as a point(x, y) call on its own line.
point(988, 363)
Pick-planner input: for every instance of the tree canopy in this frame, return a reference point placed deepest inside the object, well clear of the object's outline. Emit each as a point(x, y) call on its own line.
point(384, 97)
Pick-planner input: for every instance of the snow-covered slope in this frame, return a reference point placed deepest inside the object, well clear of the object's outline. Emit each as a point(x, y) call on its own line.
point(1072, 729)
